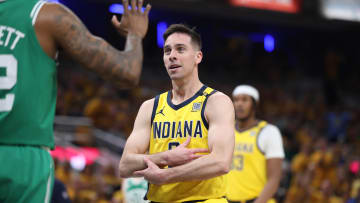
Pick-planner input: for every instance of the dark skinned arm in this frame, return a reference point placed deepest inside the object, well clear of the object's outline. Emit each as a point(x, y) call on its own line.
point(58, 28)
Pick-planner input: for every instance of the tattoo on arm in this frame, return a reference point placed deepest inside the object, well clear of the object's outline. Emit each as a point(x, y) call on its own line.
point(121, 67)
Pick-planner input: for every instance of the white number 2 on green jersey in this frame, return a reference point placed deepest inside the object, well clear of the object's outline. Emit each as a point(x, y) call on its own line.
point(8, 81)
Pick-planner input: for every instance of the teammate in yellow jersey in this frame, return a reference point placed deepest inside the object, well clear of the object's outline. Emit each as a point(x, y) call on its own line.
point(183, 139)
point(258, 154)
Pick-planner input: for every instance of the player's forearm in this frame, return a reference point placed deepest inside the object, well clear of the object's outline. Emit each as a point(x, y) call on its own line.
point(122, 68)
point(130, 163)
point(269, 190)
point(206, 167)
point(134, 162)
point(134, 51)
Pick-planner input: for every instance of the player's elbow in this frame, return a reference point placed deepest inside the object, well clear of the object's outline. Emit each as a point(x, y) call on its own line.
point(124, 175)
point(223, 163)
point(223, 167)
point(226, 168)
point(227, 161)
point(123, 172)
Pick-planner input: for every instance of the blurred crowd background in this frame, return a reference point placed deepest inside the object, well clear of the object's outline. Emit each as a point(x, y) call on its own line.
point(307, 78)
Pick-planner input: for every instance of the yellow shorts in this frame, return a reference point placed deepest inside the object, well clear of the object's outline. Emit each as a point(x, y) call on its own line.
point(269, 201)
point(221, 200)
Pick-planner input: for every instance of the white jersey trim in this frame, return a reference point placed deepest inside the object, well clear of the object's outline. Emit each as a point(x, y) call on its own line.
point(270, 142)
point(48, 185)
point(35, 11)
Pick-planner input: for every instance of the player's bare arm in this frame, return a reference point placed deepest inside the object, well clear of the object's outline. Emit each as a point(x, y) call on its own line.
point(68, 32)
point(137, 146)
point(220, 114)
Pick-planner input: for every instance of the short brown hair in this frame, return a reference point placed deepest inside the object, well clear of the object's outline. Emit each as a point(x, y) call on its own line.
point(181, 28)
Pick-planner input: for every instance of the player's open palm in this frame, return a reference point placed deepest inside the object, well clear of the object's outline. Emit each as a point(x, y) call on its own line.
point(133, 20)
point(181, 154)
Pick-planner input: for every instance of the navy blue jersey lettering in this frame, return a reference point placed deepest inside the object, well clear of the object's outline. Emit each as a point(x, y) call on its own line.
point(187, 128)
point(157, 130)
point(166, 127)
point(198, 130)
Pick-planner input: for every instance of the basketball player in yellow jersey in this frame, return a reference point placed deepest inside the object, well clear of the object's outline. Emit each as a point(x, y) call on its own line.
point(183, 139)
point(258, 154)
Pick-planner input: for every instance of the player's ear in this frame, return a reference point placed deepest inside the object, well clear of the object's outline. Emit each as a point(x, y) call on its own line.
point(198, 57)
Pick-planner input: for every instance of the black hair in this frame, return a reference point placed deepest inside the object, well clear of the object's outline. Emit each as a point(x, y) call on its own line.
point(181, 28)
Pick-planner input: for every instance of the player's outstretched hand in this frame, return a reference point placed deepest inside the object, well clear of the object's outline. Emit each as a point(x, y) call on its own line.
point(134, 20)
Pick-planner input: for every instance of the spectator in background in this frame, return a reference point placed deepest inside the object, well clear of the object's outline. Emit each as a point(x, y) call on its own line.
point(60, 195)
point(337, 122)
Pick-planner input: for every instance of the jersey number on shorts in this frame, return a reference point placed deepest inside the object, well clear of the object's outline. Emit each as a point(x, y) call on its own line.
point(8, 81)
point(238, 162)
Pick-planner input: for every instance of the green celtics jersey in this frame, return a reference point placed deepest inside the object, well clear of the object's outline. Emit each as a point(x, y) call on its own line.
point(27, 78)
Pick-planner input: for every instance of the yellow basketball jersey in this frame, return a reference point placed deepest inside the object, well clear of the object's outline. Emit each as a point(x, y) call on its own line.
point(171, 125)
point(247, 177)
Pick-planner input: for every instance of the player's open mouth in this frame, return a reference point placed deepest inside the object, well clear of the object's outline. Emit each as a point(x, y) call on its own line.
point(240, 111)
point(174, 66)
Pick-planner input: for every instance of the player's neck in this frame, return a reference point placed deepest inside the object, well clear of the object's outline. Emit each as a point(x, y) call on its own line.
point(184, 89)
point(247, 123)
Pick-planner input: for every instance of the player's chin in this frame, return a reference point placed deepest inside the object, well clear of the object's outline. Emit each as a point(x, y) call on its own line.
point(175, 76)
point(241, 116)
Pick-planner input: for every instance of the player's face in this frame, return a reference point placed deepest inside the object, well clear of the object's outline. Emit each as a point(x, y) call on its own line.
point(181, 57)
point(243, 106)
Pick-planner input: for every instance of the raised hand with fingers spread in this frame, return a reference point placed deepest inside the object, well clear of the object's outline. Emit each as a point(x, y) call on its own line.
point(134, 20)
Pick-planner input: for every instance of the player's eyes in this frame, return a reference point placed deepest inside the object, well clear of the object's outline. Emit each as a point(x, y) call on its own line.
point(181, 49)
point(167, 51)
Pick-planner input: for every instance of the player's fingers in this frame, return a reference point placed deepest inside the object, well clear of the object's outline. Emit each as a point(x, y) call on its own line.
point(196, 156)
point(133, 5)
point(199, 150)
point(115, 21)
point(126, 6)
point(139, 5)
point(147, 10)
point(149, 163)
point(186, 143)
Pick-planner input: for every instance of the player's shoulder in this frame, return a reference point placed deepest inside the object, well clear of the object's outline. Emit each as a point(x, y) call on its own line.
point(271, 126)
point(148, 103)
point(53, 15)
point(219, 97)
point(53, 9)
point(217, 104)
point(271, 129)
